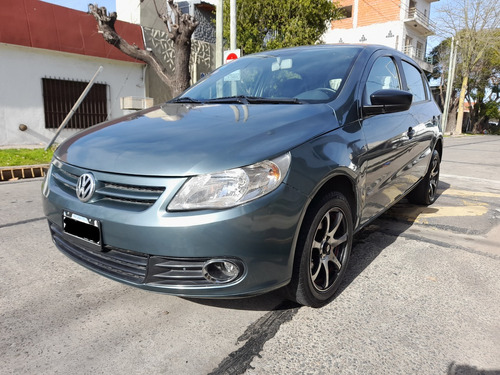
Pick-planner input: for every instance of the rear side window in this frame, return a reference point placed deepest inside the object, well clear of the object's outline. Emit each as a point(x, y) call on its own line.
point(383, 76)
point(415, 82)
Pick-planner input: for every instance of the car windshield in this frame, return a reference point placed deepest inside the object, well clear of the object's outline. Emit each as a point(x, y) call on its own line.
point(293, 75)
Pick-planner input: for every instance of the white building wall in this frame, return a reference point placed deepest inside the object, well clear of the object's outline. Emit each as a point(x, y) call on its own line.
point(384, 34)
point(424, 7)
point(129, 10)
point(21, 97)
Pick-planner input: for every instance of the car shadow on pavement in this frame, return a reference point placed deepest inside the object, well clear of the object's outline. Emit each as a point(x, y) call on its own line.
point(266, 302)
point(364, 252)
point(455, 369)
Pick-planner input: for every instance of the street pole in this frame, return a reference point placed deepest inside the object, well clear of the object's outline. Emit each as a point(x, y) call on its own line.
point(219, 27)
point(449, 86)
point(233, 25)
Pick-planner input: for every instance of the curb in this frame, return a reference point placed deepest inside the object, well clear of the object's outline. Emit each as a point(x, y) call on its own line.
point(19, 172)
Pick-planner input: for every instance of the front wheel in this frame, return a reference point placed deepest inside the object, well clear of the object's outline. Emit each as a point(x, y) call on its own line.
point(323, 251)
point(425, 193)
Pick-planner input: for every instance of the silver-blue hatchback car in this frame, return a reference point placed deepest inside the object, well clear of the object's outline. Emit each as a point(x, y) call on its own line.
point(254, 179)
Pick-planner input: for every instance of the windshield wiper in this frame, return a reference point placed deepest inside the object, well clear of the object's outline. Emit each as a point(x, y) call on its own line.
point(240, 99)
point(257, 100)
point(184, 99)
point(243, 99)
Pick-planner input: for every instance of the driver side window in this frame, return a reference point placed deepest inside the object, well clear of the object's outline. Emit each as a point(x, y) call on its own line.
point(383, 76)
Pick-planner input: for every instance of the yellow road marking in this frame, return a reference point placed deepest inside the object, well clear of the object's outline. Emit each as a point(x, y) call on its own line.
point(468, 194)
point(421, 214)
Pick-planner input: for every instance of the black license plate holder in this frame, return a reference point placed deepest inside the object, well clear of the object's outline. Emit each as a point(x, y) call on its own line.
point(84, 228)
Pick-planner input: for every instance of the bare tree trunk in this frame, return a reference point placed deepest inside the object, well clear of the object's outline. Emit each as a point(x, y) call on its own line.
point(460, 116)
point(452, 117)
point(180, 32)
point(180, 29)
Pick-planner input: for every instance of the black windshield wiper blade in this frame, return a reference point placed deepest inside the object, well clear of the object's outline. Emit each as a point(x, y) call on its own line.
point(257, 100)
point(184, 99)
point(242, 99)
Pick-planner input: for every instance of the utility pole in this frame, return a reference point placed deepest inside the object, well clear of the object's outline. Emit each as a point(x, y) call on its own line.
point(219, 27)
point(232, 29)
point(449, 86)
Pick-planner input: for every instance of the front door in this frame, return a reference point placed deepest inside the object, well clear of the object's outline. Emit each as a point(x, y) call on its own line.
point(389, 140)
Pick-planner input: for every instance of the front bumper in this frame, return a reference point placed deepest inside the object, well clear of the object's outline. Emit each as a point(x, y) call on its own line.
point(145, 246)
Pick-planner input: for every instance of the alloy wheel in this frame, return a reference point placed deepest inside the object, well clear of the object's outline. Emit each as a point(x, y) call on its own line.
point(328, 250)
point(433, 179)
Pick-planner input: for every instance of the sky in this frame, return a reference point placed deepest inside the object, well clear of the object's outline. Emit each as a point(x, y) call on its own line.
point(83, 5)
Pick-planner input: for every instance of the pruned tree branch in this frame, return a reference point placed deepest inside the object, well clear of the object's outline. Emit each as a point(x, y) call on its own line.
point(180, 29)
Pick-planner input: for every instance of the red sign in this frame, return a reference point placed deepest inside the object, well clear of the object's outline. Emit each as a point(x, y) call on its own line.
point(231, 56)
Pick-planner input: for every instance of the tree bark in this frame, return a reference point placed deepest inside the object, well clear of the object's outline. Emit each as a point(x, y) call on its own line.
point(460, 116)
point(452, 116)
point(180, 29)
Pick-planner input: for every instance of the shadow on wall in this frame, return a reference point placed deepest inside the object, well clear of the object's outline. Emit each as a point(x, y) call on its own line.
point(33, 135)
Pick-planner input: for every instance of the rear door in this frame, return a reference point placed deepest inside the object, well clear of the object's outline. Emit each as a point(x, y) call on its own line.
point(426, 115)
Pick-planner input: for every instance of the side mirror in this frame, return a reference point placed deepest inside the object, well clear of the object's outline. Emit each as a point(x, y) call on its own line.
point(388, 101)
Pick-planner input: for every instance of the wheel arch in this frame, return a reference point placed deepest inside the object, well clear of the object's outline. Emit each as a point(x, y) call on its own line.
point(439, 147)
point(340, 181)
point(343, 184)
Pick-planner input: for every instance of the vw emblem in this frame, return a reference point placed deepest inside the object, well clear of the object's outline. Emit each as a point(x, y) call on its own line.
point(85, 187)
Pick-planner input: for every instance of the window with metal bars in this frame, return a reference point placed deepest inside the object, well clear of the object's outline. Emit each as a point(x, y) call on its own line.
point(60, 95)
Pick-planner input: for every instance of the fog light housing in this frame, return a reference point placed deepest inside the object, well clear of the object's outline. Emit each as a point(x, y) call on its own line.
point(220, 271)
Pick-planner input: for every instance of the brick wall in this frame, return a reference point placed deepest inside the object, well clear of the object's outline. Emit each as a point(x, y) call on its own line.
point(377, 11)
point(370, 12)
point(345, 23)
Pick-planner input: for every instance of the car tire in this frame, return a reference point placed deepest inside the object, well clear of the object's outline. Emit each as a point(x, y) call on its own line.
point(425, 193)
point(323, 251)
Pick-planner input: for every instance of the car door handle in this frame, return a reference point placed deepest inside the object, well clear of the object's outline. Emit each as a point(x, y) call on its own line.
point(411, 132)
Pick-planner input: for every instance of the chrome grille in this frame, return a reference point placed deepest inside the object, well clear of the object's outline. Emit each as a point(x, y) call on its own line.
point(176, 272)
point(66, 180)
point(131, 194)
point(109, 192)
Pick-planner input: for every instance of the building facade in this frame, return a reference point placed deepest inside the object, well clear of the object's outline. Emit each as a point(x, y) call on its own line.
point(400, 24)
point(48, 54)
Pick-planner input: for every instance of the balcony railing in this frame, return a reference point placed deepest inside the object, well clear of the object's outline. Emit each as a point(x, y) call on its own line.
point(421, 21)
point(414, 53)
point(418, 54)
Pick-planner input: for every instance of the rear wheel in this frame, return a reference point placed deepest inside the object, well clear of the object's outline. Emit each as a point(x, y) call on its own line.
point(323, 251)
point(425, 193)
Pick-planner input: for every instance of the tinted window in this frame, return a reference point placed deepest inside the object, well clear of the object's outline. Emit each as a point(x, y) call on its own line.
point(383, 76)
point(415, 83)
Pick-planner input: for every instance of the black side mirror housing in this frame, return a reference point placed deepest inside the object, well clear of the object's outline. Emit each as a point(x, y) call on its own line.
point(388, 101)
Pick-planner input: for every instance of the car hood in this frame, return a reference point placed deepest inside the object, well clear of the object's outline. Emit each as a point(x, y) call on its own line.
point(186, 139)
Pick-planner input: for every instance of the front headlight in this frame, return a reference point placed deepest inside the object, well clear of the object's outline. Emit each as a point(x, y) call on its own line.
point(231, 187)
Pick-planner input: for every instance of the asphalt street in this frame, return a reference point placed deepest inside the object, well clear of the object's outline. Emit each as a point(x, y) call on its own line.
point(421, 296)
